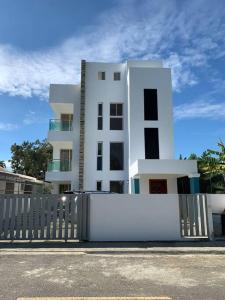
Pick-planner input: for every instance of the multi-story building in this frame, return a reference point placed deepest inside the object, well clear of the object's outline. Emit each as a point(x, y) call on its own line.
point(114, 132)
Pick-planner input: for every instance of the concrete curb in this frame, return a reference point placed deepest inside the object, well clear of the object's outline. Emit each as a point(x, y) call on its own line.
point(111, 251)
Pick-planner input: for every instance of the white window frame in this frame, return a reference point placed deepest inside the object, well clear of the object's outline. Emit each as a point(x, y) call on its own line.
point(99, 116)
point(116, 117)
point(99, 155)
point(100, 75)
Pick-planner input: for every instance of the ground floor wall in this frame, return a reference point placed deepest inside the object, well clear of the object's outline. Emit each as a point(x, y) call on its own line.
point(134, 218)
point(216, 202)
point(171, 183)
point(56, 189)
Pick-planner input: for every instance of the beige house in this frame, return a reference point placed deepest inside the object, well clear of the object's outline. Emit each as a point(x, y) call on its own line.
point(12, 183)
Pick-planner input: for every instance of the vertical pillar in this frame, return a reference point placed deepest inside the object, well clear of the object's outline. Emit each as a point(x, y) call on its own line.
point(194, 185)
point(136, 186)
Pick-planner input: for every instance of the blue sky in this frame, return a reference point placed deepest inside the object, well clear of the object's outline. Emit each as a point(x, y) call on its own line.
point(43, 41)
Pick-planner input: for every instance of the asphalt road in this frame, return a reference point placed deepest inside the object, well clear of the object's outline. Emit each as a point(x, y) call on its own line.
point(183, 276)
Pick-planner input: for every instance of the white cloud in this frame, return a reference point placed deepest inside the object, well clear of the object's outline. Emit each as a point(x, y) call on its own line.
point(33, 118)
point(8, 126)
point(200, 109)
point(187, 35)
point(8, 165)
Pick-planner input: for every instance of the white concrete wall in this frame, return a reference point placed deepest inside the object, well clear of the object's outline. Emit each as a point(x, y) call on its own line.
point(138, 80)
point(105, 91)
point(134, 218)
point(216, 203)
point(164, 166)
point(64, 93)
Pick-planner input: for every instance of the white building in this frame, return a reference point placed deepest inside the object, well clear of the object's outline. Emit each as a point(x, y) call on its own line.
point(114, 132)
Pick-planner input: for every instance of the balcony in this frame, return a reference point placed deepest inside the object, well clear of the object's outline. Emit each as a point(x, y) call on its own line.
point(60, 125)
point(60, 131)
point(57, 165)
point(59, 170)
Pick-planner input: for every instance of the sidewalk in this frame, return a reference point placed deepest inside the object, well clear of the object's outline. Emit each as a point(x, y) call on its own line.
point(113, 248)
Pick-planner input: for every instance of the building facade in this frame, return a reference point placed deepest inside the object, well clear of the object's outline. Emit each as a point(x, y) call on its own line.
point(114, 132)
point(13, 183)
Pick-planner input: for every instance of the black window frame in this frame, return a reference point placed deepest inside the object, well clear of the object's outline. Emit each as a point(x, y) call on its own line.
point(100, 116)
point(120, 182)
point(151, 105)
point(112, 164)
point(99, 156)
point(99, 182)
point(151, 140)
point(115, 74)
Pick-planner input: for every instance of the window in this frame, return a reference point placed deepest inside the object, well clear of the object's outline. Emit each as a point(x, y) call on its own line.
point(9, 188)
point(158, 186)
point(116, 116)
point(117, 187)
point(99, 156)
point(150, 105)
point(65, 160)
point(100, 116)
point(116, 156)
point(64, 187)
point(151, 143)
point(101, 75)
point(98, 185)
point(116, 76)
point(66, 122)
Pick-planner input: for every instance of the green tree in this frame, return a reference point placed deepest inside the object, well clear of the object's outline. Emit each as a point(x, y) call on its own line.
point(2, 164)
point(31, 158)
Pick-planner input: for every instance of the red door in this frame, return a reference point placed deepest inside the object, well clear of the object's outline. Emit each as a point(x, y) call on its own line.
point(158, 186)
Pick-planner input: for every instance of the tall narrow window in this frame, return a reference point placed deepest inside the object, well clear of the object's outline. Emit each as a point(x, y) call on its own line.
point(151, 143)
point(101, 75)
point(100, 116)
point(99, 156)
point(116, 156)
point(116, 76)
point(66, 122)
point(98, 185)
point(150, 105)
point(65, 160)
point(116, 116)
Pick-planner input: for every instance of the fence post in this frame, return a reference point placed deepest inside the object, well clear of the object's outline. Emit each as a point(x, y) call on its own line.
point(209, 216)
point(83, 217)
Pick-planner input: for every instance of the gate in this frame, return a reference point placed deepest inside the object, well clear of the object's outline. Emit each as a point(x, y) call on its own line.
point(193, 216)
point(44, 217)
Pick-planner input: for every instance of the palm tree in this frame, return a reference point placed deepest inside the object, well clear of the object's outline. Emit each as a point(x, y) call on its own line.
point(2, 164)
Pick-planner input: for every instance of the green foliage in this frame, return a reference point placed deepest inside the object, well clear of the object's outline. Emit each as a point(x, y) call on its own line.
point(2, 164)
point(211, 166)
point(31, 158)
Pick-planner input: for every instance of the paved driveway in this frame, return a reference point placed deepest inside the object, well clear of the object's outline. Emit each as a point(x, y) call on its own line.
point(66, 273)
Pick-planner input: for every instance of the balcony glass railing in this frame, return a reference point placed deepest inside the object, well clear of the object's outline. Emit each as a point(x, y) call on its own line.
point(59, 125)
point(59, 165)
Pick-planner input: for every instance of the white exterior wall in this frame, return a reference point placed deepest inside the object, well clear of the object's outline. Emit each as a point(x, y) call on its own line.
point(65, 99)
point(216, 202)
point(106, 92)
point(138, 80)
point(135, 77)
point(134, 218)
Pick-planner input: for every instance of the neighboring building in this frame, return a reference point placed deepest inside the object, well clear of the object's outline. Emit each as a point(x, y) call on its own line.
point(11, 183)
point(114, 132)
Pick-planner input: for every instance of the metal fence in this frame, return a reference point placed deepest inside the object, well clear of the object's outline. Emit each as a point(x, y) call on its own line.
point(44, 217)
point(193, 216)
